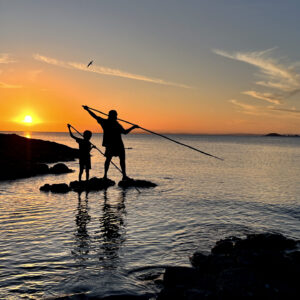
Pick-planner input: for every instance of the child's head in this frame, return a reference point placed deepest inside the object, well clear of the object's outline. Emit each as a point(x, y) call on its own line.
point(87, 135)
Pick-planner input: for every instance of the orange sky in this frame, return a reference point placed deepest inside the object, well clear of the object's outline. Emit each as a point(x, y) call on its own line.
point(179, 72)
point(53, 98)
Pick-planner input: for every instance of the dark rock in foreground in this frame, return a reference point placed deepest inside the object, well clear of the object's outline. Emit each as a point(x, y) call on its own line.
point(22, 157)
point(94, 184)
point(262, 266)
point(136, 183)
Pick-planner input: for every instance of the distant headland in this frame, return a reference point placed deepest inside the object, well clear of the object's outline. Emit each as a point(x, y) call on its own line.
point(22, 157)
point(282, 135)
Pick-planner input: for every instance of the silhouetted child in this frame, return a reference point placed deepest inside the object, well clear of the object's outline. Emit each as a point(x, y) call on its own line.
point(85, 148)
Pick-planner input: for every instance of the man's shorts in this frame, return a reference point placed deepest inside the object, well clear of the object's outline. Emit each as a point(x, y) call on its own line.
point(114, 151)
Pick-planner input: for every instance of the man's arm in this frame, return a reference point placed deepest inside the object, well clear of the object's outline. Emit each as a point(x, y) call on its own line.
point(99, 119)
point(131, 128)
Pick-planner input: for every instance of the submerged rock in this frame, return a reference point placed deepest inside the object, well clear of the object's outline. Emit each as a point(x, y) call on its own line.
point(259, 266)
point(136, 183)
point(60, 169)
point(94, 184)
point(55, 188)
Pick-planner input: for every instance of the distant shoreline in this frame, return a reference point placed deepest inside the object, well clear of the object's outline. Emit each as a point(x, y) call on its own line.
point(166, 133)
point(282, 135)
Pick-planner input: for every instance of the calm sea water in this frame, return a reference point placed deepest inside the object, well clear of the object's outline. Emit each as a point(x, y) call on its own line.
point(108, 242)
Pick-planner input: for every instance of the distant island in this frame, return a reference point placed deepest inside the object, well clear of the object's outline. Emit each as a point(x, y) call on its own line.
point(282, 135)
point(22, 157)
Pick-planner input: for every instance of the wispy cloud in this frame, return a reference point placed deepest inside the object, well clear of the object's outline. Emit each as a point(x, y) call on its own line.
point(278, 81)
point(106, 71)
point(4, 85)
point(263, 96)
point(6, 58)
point(287, 110)
point(243, 105)
point(279, 75)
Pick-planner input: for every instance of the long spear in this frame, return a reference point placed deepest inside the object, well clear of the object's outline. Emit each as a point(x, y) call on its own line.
point(102, 154)
point(163, 136)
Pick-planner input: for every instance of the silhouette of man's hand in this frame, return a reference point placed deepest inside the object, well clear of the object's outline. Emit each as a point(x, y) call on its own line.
point(85, 107)
point(69, 126)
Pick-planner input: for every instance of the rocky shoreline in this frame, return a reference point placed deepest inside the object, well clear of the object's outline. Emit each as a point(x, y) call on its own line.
point(260, 266)
point(21, 157)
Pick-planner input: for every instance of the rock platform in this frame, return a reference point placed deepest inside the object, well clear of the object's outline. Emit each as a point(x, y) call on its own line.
point(94, 184)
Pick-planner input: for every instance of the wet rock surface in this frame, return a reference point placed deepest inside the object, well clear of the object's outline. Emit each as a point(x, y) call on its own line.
point(55, 188)
point(22, 157)
point(136, 183)
point(94, 184)
point(261, 266)
point(60, 168)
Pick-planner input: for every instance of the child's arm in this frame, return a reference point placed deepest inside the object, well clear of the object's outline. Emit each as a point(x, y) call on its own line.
point(71, 134)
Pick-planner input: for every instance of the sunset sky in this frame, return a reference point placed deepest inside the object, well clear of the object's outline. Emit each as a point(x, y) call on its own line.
point(170, 66)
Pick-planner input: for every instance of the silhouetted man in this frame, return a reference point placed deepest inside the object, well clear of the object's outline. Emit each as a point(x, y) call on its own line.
point(112, 139)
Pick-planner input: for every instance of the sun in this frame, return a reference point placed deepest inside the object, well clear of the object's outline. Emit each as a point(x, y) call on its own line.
point(27, 119)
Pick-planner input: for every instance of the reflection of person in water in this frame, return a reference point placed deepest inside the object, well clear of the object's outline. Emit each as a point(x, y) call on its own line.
point(112, 139)
point(82, 237)
point(112, 230)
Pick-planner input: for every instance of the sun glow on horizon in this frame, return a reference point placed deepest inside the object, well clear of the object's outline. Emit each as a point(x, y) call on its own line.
point(28, 119)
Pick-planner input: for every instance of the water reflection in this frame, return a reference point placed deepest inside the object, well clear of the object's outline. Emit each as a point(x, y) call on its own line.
point(27, 134)
point(113, 233)
point(82, 238)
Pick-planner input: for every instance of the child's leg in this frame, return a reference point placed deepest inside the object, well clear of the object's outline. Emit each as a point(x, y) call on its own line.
point(80, 172)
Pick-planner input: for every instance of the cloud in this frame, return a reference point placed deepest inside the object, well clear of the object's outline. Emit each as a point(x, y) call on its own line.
point(242, 105)
point(278, 81)
point(105, 71)
point(288, 110)
point(269, 67)
point(6, 58)
point(263, 96)
point(4, 85)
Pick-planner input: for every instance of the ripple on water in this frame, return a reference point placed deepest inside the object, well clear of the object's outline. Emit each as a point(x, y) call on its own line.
point(108, 242)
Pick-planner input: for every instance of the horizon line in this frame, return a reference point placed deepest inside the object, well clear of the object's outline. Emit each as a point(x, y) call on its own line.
point(169, 133)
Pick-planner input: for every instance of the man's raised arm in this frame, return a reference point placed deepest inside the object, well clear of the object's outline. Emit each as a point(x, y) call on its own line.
point(85, 107)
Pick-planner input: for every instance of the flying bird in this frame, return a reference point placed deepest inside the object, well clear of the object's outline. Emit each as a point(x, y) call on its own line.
point(89, 63)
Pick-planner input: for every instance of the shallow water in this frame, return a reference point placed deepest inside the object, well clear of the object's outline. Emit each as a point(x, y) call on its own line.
point(101, 243)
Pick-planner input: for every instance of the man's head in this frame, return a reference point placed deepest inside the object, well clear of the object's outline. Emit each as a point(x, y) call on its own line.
point(87, 135)
point(112, 115)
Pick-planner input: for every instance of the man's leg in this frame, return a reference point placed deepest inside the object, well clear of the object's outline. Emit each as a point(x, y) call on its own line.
point(106, 165)
point(87, 171)
point(123, 165)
